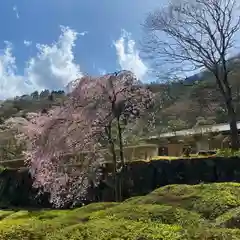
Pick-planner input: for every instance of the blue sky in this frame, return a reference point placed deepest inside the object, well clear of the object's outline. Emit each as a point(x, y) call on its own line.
point(48, 43)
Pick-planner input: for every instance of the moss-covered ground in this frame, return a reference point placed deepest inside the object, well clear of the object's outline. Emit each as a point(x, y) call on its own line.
point(207, 211)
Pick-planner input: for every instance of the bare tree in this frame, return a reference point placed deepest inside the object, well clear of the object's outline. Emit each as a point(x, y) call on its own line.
point(198, 34)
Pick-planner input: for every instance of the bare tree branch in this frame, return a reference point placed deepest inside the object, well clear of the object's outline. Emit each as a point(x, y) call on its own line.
point(197, 34)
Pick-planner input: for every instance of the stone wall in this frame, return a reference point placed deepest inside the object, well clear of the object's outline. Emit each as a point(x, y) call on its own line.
point(139, 178)
point(16, 190)
point(142, 177)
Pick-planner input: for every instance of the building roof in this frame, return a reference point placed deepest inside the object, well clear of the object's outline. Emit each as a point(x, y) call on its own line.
point(223, 127)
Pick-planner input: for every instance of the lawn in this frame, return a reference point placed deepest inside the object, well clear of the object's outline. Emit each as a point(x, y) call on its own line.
point(175, 212)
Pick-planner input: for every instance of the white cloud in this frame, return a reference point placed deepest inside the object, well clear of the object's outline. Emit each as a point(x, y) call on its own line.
point(128, 55)
point(27, 43)
point(10, 82)
point(15, 9)
point(102, 71)
point(99, 70)
point(83, 33)
point(52, 68)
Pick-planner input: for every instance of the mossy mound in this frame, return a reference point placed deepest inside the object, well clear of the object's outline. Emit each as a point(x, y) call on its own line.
point(209, 200)
point(101, 229)
point(148, 212)
point(173, 212)
point(230, 219)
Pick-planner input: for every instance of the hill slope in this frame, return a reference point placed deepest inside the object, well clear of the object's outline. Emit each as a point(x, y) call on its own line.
point(209, 211)
point(179, 105)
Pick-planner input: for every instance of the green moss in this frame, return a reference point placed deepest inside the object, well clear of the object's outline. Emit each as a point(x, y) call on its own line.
point(18, 214)
point(104, 229)
point(29, 228)
point(227, 152)
point(148, 212)
point(4, 214)
point(173, 212)
point(2, 168)
point(96, 207)
point(212, 234)
point(170, 158)
point(210, 200)
point(230, 219)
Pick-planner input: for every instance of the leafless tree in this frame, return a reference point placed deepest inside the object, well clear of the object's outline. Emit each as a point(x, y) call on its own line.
point(196, 35)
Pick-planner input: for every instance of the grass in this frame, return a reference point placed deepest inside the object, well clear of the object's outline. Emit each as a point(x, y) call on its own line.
point(174, 212)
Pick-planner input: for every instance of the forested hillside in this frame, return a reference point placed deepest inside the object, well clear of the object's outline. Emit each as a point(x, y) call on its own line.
point(37, 101)
point(179, 105)
point(185, 104)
